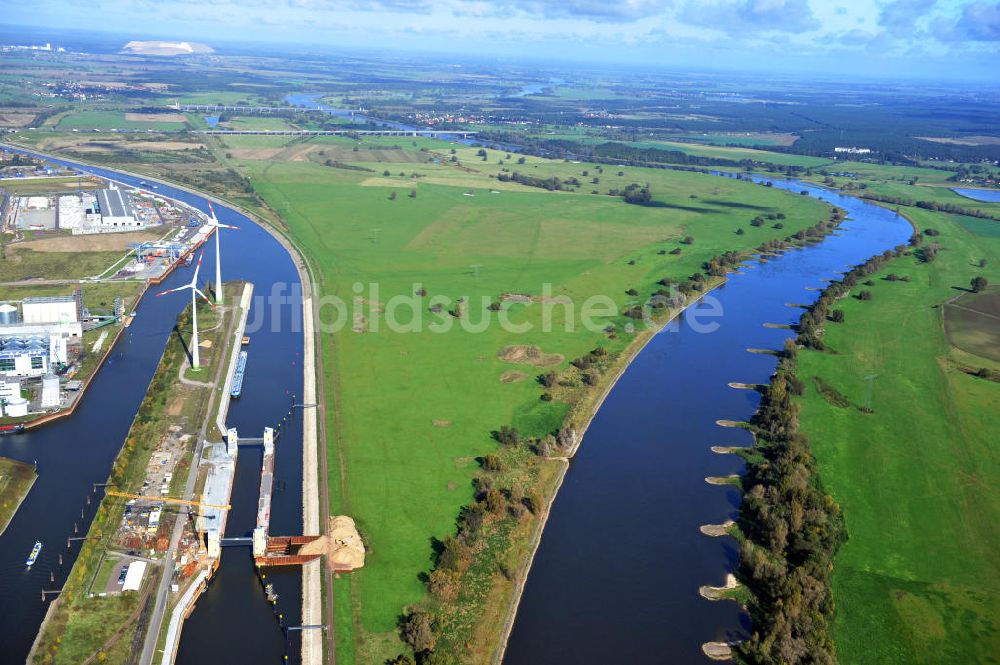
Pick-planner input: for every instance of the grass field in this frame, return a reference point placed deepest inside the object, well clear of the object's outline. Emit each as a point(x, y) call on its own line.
point(16, 478)
point(918, 580)
point(20, 264)
point(972, 323)
point(30, 186)
point(409, 413)
point(106, 120)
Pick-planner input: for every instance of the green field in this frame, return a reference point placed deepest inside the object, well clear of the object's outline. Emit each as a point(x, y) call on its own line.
point(972, 323)
point(16, 478)
point(107, 120)
point(256, 123)
point(918, 580)
point(409, 413)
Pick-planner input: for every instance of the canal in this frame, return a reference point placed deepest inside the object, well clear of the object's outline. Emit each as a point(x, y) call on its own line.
point(616, 576)
point(232, 622)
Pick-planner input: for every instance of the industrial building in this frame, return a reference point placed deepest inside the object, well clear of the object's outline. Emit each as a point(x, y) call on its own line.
point(50, 392)
point(24, 356)
point(53, 309)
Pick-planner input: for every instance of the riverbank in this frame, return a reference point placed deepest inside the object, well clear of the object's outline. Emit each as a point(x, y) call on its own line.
point(16, 479)
point(918, 574)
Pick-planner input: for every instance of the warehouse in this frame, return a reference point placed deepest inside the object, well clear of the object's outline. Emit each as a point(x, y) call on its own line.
point(52, 309)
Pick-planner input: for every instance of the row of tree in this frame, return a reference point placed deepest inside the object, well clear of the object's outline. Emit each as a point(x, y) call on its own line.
point(936, 206)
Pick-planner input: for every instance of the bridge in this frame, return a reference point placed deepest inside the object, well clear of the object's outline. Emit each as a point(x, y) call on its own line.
point(246, 110)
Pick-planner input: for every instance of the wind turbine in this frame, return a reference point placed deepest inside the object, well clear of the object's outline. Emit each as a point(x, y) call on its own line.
point(194, 309)
point(218, 256)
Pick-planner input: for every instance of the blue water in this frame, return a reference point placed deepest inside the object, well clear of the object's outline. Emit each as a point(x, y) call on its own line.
point(984, 195)
point(616, 576)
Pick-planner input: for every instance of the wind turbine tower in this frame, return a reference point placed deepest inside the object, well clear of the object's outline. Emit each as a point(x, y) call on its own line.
point(218, 257)
point(194, 309)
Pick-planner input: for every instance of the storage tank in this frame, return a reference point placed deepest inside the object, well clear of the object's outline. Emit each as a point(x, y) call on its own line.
point(8, 315)
point(17, 406)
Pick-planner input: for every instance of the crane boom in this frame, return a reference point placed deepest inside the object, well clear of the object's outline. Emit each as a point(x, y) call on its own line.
point(165, 499)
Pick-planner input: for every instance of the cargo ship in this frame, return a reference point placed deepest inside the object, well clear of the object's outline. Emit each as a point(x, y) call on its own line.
point(11, 429)
point(241, 366)
point(35, 551)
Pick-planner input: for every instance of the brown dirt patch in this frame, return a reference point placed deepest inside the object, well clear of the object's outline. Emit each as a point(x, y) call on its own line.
point(516, 297)
point(98, 242)
point(154, 117)
point(16, 119)
point(255, 154)
point(528, 355)
point(176, 406)
point(166, 146)
point(512, 377)
point(441, 423)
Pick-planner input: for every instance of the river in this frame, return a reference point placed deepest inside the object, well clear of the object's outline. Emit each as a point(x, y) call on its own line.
point(982, 195)
point(232, 623)
point(616, 576)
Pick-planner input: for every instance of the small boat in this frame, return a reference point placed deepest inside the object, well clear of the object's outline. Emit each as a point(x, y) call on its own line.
point(11, 429)
point(246, 340)
point(34, 554)
point(241, 366)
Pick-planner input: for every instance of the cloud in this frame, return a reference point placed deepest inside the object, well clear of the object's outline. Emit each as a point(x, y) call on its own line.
point(599, 10)
point(900, 17)
point(742, 16)
point(979, 22)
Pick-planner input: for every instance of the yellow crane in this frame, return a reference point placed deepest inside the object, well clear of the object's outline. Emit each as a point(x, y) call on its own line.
point(165, 499)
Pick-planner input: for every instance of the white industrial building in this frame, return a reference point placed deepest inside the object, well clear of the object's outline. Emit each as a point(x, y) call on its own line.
point(108, 211)
point(52, 309)
point(24, 356)
point(50, 391)
point(9, 389)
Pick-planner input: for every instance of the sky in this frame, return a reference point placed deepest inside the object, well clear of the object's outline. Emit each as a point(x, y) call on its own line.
point(861, 37)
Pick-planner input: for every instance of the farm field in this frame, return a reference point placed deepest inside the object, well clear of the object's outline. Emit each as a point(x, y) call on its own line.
point(403, 447)
point(917, 579)
point(107, 120)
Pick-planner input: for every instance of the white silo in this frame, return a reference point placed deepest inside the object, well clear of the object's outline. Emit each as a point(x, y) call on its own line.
point(8, 315)
point(17, 407)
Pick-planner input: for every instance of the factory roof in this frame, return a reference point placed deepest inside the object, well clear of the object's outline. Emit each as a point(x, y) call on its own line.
point(114, 203)
point(37, 300)
point(133, 578)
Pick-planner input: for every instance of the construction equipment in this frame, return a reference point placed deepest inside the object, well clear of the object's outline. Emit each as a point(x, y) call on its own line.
point(166, 499)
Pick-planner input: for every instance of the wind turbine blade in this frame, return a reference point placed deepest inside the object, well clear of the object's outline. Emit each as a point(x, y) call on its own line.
point(198, 291)
point(212, 210)
point(179, 288)
point(227, 226)
point(194, 280)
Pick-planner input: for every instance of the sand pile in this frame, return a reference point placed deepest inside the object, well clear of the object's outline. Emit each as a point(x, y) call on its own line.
point(342, 544)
